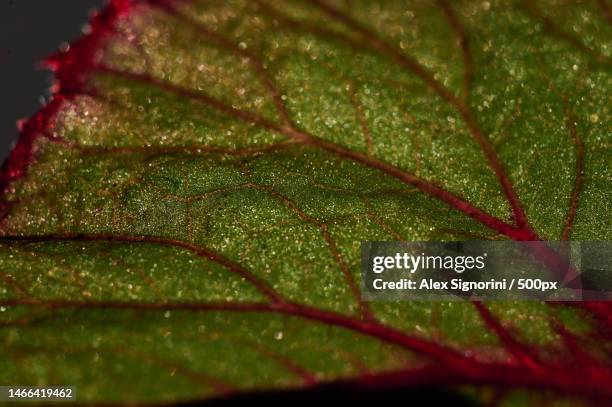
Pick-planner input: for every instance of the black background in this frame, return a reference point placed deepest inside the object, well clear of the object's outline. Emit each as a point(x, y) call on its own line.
point(30, 31)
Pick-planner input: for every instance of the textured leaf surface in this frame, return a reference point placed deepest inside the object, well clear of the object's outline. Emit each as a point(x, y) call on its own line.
point(188, 210)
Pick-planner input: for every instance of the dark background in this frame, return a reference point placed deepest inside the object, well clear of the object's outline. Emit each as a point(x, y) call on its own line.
point(30, 31)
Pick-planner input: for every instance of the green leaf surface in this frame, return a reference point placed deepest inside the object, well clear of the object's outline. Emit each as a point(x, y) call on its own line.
point(183, 221)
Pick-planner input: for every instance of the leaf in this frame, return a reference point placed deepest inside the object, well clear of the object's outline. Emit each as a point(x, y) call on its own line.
point(183, 220)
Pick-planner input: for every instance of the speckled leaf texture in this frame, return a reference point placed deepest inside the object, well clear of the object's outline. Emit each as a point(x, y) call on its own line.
point(183, 220)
